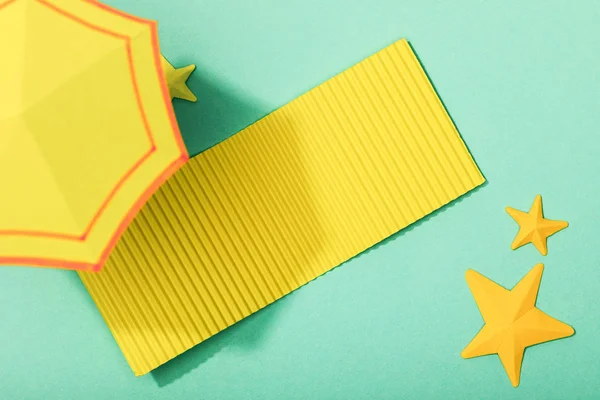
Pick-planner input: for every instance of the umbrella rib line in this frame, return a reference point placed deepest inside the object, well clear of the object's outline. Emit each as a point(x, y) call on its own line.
point(111, 195)
point(56, 263)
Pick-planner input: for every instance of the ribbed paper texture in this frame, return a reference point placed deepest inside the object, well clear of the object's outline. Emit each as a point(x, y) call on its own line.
point(311, 185)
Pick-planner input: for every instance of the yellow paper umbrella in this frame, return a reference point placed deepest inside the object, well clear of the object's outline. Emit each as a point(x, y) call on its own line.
point(87, 130)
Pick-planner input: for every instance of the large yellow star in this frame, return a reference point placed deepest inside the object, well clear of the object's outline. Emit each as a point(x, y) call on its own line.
point(533, 227)
point(176, 80)
point(512, 322)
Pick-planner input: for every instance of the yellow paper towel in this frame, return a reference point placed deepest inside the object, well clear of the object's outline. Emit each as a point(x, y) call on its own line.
point(309, 186)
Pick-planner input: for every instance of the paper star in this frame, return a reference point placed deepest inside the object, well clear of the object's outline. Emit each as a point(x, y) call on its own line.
point(533, 227)
point(176, 80)
point(512, 322)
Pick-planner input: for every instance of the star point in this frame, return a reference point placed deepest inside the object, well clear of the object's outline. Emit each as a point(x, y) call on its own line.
point(176, 80)
point(512, 322)
point(533, 227)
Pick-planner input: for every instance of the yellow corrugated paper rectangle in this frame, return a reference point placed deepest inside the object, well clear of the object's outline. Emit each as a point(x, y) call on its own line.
point(309, 186)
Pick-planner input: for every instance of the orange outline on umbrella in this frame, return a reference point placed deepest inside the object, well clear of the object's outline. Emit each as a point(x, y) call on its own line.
point(44, 262)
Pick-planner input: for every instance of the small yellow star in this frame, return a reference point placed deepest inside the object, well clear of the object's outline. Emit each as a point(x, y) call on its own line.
point(512, 322)
point(176, 80)
point(533, 227)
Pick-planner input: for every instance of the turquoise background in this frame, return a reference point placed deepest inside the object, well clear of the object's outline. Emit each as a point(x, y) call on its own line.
point(521, 81)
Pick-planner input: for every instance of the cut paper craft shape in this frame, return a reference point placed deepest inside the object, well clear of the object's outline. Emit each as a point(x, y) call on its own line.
point(87, 130)
point(512, 322)
point(176, 80)
point(287, 199)
point(533, 227)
